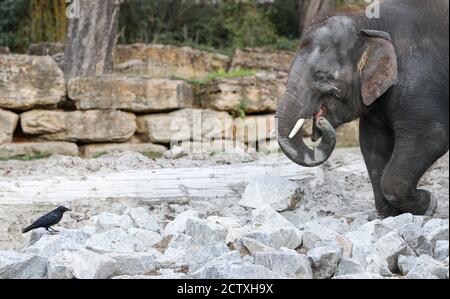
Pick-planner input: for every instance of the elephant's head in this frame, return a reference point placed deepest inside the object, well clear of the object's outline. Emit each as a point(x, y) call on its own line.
point(337, 71)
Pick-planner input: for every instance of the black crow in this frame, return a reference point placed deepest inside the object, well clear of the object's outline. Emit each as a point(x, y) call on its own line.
point(48, 220)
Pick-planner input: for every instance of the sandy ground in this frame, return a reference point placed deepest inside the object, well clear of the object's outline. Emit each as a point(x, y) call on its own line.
point(343, 189)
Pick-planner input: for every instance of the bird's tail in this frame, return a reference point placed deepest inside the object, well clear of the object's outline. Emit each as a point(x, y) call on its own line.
point(27, 229)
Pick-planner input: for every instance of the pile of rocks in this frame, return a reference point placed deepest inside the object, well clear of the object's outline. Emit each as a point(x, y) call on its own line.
point(142, 107)
point(140, 245)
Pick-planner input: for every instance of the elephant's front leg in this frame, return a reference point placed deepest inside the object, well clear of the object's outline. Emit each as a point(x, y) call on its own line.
point(377, 145)
point(417, 147)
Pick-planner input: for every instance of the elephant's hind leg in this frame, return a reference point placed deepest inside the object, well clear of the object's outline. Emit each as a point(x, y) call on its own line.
point(414, 154)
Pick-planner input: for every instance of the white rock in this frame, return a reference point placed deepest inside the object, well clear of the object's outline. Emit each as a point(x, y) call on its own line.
point(235, 233)
point(227, 222)
point(50, 245)
point(360, 276)
point(223, 269)
point(163, 274)
point(178, 225)
point(285, 261)
point(363, 239)
point(324, 261)
point(441, 250)
point(178, 251)
point(406, 263)
point(143, 239)
point(253, 246)
point(205, 232)
point(436, 229)
point(142, 219)
point(116, 240)
point(139, 263)
point(175, 153)
point(299, 217)
point(86, 264)
point(415, 237)
point(390, 247)
point(198, 259)
point(266, 216)
point(315, 232)
point(377, 264)
point(59, 265)
point(36, 235)
point(426, 267)
point(79, 236)
point(288, 237)
point(339, 225)
point(348, 266)
point(107, 221)
point(14, 265)
point(234, 227)
point(281, 194)
point(399, 221)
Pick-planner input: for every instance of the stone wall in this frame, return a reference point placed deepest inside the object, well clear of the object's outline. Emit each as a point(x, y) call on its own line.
point(156, 98)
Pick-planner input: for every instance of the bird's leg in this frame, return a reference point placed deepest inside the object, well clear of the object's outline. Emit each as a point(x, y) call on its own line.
point(52, 230)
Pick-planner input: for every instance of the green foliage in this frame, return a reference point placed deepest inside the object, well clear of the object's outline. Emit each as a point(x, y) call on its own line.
point(239, 112)
point(12, 12)
point(26, 157)
point(221, 74)
point(31, 21)
point(247, 25)
point(224, 26)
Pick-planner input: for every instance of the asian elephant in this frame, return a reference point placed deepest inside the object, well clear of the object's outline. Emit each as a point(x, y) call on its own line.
point(392, 73)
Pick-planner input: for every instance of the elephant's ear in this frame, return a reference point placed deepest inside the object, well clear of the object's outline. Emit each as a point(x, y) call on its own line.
point(377, 66)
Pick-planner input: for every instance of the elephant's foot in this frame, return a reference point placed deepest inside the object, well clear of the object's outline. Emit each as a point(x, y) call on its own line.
point(419, 202)
point(388, 211)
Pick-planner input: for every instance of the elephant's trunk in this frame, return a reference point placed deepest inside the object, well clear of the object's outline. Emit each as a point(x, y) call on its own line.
point(290, 137)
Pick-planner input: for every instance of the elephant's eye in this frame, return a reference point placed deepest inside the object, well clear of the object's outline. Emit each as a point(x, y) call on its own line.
point(321, 78)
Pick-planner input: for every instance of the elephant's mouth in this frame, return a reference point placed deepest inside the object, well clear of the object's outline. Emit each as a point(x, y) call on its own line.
point(293, 145)
point(321, 113)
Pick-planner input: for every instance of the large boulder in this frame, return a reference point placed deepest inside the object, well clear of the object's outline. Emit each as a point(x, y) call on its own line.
point(81, 264)
point(285, 261)
point(8, 123)
point(38, 149)
point(279, 193)
point(83, 126)
point(255, 94)
point(49, 245)
point(135, 94)
point(185, 124)
point(205, 232)
point(164, 61)
point(178, 225)
point(262, 59)
point(325, 261)
point(28, 82)
point(139, 263)
point(14, 265)
point(231, 266)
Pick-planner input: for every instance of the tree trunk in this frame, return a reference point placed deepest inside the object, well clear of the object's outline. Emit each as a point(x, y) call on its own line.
point(91, 38)
point(311, 10)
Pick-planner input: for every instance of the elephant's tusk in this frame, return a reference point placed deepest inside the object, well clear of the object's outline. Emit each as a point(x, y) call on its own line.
point(297, 128)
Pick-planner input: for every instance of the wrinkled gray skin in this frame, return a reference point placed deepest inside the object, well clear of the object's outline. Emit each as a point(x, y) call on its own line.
point(392, 73)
